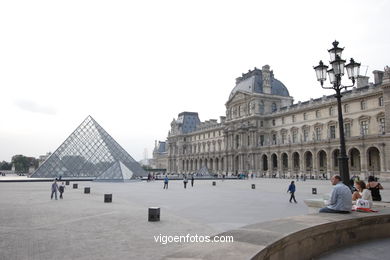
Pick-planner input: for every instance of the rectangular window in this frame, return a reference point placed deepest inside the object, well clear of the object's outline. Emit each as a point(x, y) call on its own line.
point(332, 132)
point(294, 136)
point(274, 139)
point(293, 118)
point(346, 108)
point(364, 128)
point(380, 101)
point(347, 130)
point(318, 114)
point(382, 125)
point(363, 105)
point(283, 120)
point(283, 138)
point(261, 140)
point(318, 134)
point(273, 122)
point(331, 111)
point(304, 116)
point(261, 123)
point(305, 135)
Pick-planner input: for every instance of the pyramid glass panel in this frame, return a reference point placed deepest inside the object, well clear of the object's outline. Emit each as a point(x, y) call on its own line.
point(87, 153)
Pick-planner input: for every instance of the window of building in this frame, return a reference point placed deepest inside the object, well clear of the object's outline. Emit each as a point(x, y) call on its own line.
point(331, 111)
point(363, 105)
point(261, 140)
point(364, 127)
point(294, 136)
point(261, 107)
point(347, 130)
point(346, 108)
point(261, 123)
point(273, 108)
point(332, 132)
point(318, 114)
point(208, 134)
point(283, 120)
point(293, 118)
point(305, 135)
point(318, 133)
point(304, 116)
point(274, 139)
point(283, 138)
point(382, 125)
point(239, 110)
point(249, 140)
point(237, 141)
point(273, 122)
point(380, 101)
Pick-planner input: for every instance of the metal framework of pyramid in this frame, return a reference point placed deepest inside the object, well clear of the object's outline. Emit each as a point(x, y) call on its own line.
point(88, 153)
point(117, 172)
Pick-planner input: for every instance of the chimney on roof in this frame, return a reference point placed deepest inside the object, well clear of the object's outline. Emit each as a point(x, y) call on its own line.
point(378, 76)
point(362, 81)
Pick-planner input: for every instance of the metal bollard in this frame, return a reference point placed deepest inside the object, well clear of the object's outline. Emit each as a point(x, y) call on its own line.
point(75, 186)
point(154, 214)
point(314, 191)
point(253, 186)
point(107, 198)
point(87, 190)
point(214, 183)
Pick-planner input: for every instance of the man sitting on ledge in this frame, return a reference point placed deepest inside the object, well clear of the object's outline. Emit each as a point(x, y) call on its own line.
point(340, 200)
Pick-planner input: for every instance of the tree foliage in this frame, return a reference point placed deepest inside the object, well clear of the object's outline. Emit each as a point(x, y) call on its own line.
point(22, 163)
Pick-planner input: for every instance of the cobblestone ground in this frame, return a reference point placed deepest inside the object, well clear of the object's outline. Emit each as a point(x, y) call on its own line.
point(81, 226)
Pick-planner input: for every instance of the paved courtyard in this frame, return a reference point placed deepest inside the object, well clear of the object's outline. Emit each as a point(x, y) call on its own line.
point(81, 226)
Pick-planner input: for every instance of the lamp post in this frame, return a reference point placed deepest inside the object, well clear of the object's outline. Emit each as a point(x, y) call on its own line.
point(335, 74)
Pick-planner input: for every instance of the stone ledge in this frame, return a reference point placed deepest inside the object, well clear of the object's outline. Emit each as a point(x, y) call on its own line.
point(299, 237)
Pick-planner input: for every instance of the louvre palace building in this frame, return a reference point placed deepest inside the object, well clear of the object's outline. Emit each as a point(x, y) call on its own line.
point(265, 133)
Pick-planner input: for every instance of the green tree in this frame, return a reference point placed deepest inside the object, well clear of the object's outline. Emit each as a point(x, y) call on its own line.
point(22, 163)
point(5, 166)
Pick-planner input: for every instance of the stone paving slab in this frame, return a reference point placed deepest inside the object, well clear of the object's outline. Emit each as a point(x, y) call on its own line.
point(81, 226)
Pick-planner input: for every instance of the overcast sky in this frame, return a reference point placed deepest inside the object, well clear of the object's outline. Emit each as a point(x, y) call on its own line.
point(134, 65)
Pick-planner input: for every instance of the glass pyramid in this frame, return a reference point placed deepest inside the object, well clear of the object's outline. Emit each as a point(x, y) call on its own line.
point(87, 153)
point(117, 172)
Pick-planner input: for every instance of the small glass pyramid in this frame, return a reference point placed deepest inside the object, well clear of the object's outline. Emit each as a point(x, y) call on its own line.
point(117, 172)
point(87, 153)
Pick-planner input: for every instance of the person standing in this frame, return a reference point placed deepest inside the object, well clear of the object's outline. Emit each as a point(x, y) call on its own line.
point(192, 180)
point(61, 189)
point(185, 181)
point(166, 182)
point(291, 189)
point(54, 188)
point(374, 187)
point(340, 199)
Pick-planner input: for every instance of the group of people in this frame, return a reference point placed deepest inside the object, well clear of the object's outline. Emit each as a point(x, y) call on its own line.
point(185, 181)
point(55, 187)
point(341, 200)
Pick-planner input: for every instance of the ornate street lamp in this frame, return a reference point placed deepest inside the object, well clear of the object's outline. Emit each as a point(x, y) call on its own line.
point(335, 74)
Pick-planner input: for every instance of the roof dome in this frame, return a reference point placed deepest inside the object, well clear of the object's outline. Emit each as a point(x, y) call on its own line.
point(260, 81)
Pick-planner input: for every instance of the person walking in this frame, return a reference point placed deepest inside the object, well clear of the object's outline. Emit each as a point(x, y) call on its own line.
point(185, 181)
point(54, 188)
point(192, 180)
point(291, 189)
point(166, 182)
point(61, 189)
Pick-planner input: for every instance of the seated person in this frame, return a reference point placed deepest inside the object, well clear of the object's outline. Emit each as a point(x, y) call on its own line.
point(340, 199)
point(362, 192)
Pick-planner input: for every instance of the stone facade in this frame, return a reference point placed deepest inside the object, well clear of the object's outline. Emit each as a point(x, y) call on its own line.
point(266, 134)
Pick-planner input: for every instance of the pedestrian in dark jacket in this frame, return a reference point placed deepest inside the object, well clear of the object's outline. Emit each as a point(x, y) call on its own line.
point(291, 189)
point(54, 188)
point(192, 180)
point(61, 189)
